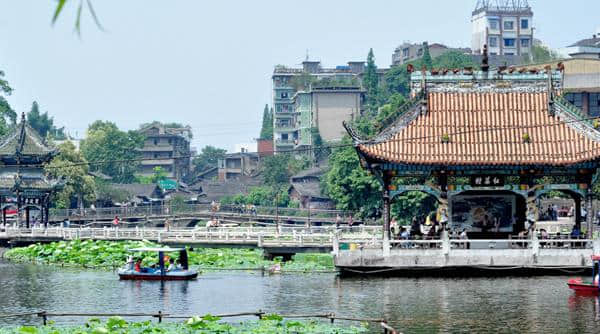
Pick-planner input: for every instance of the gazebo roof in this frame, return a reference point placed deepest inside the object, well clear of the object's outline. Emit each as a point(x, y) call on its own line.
point(487, 121)
point(24, 141)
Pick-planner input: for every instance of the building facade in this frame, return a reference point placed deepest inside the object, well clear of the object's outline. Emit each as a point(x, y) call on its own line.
point(168, 148)
point(314, 96)
point(411, 51)
point(234, 166)
point(505, 26)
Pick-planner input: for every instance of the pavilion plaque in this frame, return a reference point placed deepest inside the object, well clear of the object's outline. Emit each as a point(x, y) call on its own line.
point(487, 181)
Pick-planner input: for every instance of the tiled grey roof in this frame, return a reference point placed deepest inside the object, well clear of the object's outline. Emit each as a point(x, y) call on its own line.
point(25, 140)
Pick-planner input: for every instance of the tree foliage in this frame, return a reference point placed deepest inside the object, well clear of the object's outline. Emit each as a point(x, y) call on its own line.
point(43, 123)
point(263, 196)
point(266, 132)
point(412, 204)
point(8, 116)
point(112, 151)
point(158, 174)
point(278, 169)
point(320, 149)
point(427, 61)
point(371, 82)
point(543, 54)
point(71, 165)
point(208, 158)
point(349, 185)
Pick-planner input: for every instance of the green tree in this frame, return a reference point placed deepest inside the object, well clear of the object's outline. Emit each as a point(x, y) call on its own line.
point(278, 169)
point(112, 151)
point(543, 54)
point(266, 132)
point(349, 185)
point(371, 81)
point(208, 158)
point(8, 116)
point(158, 174)
point(320, 150)
point(412, 204)
point(71, 165)
point(43, 123)
point(427, 61)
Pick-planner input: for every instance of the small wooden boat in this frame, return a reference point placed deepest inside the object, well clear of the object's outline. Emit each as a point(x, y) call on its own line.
point(587, 287)
point(160, 273)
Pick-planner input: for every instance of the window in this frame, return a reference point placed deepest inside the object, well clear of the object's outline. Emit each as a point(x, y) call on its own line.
point(509, 42)
point(509, 25)
point(525, 42)
point(405, 52)
point(494, 23)
point(420, 52)
point(594, 104)
point(575, 99)
point(493, 42)
point(284, 136)
point(155, 141)
point(509, 53)
point(284, 95)
point(524, 24)
point(170, 141)
point(155, 155)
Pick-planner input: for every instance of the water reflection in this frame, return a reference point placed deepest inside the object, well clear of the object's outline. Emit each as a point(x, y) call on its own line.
point(412, 304)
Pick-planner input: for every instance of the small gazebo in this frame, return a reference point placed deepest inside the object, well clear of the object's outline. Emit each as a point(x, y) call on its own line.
point(486, 144)
point(24, 185)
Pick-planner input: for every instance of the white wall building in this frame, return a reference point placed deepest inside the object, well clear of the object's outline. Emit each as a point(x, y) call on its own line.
point(506, 26)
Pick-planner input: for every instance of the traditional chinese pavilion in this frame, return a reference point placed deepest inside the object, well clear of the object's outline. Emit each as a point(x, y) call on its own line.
point(486, 144)
point(24, 186)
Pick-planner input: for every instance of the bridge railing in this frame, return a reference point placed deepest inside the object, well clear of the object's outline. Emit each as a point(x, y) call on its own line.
point(166, 210)
point(259, 236)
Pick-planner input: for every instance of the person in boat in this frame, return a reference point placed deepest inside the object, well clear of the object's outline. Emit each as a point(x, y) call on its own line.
point(172, 266)
point(138, 266)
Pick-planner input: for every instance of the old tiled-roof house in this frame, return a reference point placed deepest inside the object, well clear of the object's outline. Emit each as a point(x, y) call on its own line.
point(305, 187)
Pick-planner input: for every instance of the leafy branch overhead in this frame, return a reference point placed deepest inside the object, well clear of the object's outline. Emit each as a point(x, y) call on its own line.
point(83, 4)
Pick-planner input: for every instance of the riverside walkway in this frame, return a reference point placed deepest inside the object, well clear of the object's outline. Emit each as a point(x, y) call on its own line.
point(190, 214)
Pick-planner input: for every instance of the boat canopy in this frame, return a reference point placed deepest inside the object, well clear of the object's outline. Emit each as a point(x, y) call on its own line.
point(156, 249)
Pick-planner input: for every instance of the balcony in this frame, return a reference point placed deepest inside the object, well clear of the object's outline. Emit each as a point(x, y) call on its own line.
point(285, 127)
point(285, 142)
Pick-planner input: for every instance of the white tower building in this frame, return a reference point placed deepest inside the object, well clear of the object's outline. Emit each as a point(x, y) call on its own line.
point(504, 25)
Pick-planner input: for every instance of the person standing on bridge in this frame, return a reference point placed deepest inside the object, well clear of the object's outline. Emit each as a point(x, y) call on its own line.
point(116, 222)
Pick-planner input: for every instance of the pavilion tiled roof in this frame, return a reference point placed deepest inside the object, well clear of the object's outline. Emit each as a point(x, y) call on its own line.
point(25, 141)
point(486, 128)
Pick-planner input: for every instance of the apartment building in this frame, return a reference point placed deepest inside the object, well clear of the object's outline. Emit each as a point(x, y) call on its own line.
point(301, 96)
point(506, 26)
point(166, 147)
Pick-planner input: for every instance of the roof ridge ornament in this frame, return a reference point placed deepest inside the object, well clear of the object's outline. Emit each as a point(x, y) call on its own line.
point(485, 62)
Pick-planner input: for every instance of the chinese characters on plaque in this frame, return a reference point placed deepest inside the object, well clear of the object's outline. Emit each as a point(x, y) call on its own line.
point(487, 181)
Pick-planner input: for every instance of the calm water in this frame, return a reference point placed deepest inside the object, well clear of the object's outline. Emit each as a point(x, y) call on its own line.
point(509, 305)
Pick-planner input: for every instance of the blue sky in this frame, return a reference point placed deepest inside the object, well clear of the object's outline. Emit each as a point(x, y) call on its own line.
point(208, 63)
